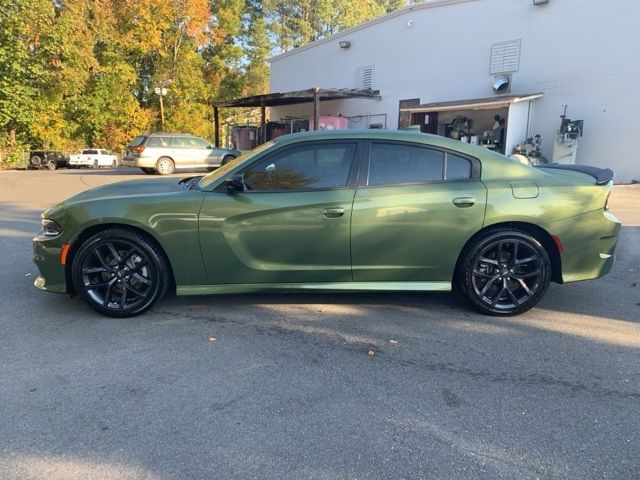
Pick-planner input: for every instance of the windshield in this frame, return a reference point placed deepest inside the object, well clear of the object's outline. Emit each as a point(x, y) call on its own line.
point(222, 171)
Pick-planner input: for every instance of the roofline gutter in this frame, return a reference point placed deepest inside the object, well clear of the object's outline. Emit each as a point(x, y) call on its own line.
point(367, 24)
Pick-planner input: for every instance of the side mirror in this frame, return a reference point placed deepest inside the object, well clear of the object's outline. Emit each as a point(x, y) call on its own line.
point(235, 183)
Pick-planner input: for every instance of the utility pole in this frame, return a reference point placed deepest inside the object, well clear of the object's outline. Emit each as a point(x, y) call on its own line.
point(161, 92)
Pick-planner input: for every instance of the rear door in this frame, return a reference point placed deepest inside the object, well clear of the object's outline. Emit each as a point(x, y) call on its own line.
point(292, 225)
point(414, 209)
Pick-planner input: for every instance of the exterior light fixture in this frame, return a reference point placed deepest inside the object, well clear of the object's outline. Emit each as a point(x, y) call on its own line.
point(540, 2)
point(344, 43)
point(501, 84)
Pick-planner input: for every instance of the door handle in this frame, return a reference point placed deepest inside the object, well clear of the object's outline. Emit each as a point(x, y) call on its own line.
point(333, 212)
point(463, 202)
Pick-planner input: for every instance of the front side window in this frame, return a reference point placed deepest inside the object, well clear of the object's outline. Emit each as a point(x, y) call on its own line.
point(306, 167)
point(200, 143)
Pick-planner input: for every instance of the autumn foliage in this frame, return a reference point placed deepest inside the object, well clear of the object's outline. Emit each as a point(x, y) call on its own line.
point(77, 73)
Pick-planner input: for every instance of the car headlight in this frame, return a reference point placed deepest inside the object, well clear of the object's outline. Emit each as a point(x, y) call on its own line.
point(50, 228)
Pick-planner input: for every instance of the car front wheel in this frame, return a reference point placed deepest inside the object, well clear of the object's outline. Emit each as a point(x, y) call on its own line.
point(52, 165)
point(505, 272)
point(120, 273)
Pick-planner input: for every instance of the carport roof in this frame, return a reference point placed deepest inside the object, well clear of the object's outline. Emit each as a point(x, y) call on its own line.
point(474, 103)
point(299, 96)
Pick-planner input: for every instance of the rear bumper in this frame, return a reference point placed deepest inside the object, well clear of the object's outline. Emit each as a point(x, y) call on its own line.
point(589, 242)
point(141, 162)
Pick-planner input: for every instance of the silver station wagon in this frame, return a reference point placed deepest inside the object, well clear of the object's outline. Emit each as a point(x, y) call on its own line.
point(164, 153)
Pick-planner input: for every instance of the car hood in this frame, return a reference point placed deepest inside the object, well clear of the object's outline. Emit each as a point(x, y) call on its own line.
point(126, 189)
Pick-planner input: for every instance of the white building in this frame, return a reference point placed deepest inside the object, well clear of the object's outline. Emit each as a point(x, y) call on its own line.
point(434, 61)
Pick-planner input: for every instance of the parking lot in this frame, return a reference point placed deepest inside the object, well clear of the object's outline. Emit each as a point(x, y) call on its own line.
point(319, 386)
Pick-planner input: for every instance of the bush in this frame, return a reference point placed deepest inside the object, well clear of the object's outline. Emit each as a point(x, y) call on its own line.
point(14, 159)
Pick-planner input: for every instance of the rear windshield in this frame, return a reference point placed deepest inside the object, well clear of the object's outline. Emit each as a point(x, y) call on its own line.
point(89, 152)
point(136, 141)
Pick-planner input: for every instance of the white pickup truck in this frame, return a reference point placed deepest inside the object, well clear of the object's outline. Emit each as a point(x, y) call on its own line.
point(93, 158)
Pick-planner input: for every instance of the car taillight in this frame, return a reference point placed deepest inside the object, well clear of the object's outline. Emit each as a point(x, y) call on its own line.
point(138, 150)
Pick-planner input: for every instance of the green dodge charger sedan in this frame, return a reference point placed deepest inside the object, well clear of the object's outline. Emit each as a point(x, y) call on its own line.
point(336, 211)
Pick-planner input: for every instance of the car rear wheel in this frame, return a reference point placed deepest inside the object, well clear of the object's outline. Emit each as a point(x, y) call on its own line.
point(148, 171)
point(114, 164)
point(120, 273)
point(96, 165)
point(52, 165)
point(165, 166)
point(505, 272)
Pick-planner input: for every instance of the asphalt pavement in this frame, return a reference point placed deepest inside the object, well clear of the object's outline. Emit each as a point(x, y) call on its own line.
point(313, 386)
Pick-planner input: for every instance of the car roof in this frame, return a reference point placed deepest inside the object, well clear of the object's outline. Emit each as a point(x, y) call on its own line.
point(168, 134)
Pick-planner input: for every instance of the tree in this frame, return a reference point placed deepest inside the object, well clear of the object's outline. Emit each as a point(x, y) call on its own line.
point(26, 65)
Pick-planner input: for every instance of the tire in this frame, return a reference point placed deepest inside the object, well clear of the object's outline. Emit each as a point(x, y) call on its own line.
point(114, 164)
point(95, 165)
point(504, 272)
point(52, 165)
point(226, 159)
point(165, 166)
point(36, 161)
point(120, 273)
point(148, 171)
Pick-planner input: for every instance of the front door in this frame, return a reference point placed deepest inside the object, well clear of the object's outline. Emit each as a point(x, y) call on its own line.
point(428, 121)
point(413, 212)
point(291, 225)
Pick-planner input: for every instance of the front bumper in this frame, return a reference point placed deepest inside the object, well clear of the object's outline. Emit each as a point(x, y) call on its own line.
point(46, 256)
point(589, 242)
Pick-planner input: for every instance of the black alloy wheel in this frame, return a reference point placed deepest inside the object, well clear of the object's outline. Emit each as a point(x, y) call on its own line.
point(506, 273)
point(120, 273)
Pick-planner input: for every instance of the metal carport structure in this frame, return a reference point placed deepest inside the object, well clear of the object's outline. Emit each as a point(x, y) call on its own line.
point(314, 94)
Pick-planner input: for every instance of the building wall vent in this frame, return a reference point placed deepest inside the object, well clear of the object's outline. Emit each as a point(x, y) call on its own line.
point(364, 77)
point(505, 57)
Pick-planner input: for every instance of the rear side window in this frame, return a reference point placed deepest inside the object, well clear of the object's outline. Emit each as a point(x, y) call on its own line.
point(306, 167)
point(457, 168)
point(392, 164)
point(397, 164)
point(159, 142)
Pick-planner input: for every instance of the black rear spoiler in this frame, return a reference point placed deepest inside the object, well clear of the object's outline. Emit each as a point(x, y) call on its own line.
point(602, 175)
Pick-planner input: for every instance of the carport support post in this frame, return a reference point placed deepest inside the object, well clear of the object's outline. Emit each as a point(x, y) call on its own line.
point(316, 109)
point(263, 123)
point(216, 127)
